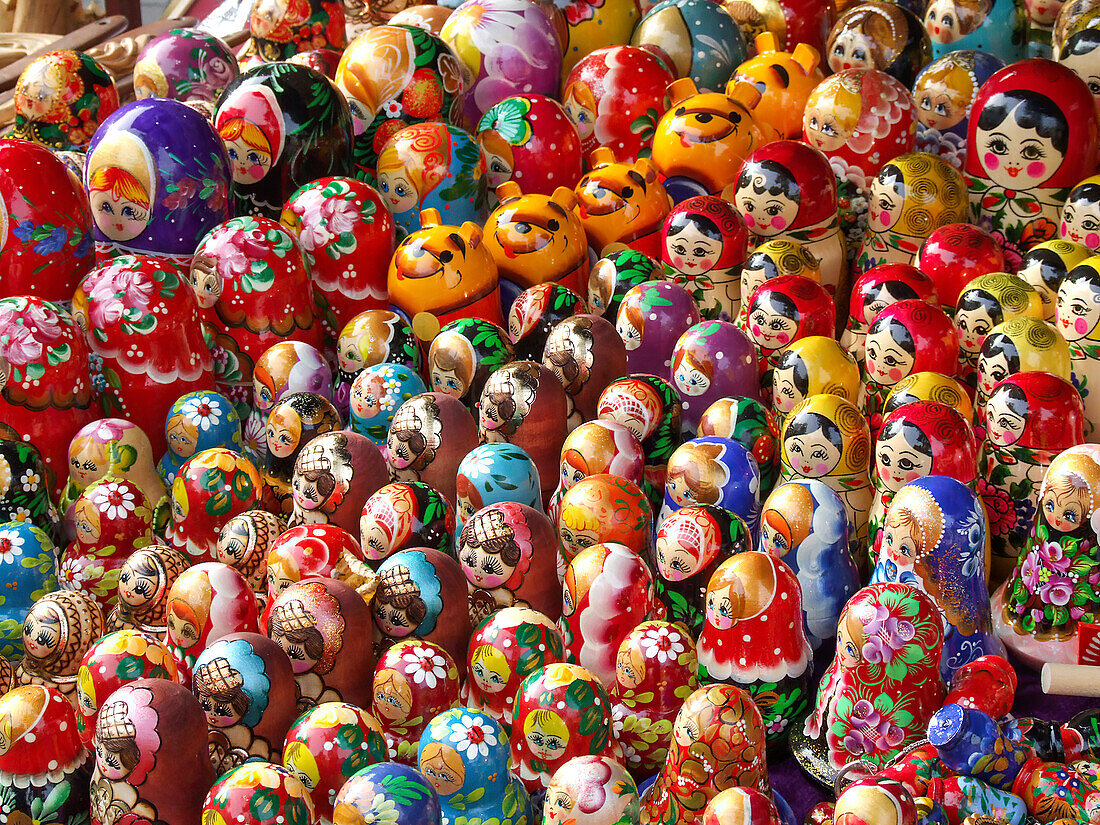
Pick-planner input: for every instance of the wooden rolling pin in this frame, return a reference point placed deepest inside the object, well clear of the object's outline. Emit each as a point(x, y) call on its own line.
point(1070, 680)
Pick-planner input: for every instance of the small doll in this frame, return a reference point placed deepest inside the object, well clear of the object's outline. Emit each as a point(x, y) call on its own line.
point(414, 681)
point(33, 559)
point(603, 508)
point(535, 312)
point(517, 134)
point(1017, 346)
point(374, 336)
point(712, 360)
point(376, 394)
point(944, 92)
point(987, 301)
point(586, 354)
point(463, 355)
point(207, 601)
point(1076, 315)
point(746, 421)
point(57, 631)
point(208, 490)
point(809, 366)
point(198, 421)
point(143, 585)
point(61, 98)
point(998, 27)
point(308, 552)
point(333, 478)
point(292, 423)
point(1046, 264)
point(714, 470)
point(652, 317)
point(243, 544)
point(591, 788)
point(612, 277)
point(285, 368)
point(495, 472)
point(402, 515)
point(879, 36)
point(782, 311)
point(704, 244)
point(233, 794)
point(930, 386)
point(429, 435)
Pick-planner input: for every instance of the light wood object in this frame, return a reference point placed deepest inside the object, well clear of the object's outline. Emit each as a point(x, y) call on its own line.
point(1070, 680)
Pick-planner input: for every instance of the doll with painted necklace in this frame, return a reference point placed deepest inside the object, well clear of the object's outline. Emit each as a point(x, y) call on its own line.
point(704, 243)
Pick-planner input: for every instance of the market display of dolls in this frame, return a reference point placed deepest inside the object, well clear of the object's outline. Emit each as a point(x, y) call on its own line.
point(578, 413)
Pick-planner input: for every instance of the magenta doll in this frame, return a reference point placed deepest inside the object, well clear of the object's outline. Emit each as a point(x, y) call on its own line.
point(713, 360)
point(414, 681)
point(651, 319)
point(875, 290)
point(207, 601)
point(429, 435)
point(784, 310)
point(703, 246)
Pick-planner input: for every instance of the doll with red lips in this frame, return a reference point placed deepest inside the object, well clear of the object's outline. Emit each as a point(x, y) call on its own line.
point(428, 436)
point(704, 243)
point(1018, 346)
point(402, 515)
point(413, 682)
point(879, 36)
point(987, 301)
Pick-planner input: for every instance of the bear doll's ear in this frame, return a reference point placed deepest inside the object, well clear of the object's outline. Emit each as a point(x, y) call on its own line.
point(473, 233)
point(429, 218)
point(508, 192)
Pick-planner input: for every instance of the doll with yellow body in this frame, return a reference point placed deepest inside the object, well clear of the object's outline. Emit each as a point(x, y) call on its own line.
point(787, 78)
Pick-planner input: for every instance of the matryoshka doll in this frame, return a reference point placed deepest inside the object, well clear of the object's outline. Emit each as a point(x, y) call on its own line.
point(307, 552)
point(1021, 345)
point(787, 191)
point(1029, 419)
point(906, 337)
point(827, 438)
point(712, 360)
point(374, 336)
point(714, 470)
point(1076, 314)
point(745, 420)
point(1046, 264)
point(912, 196)
point(158, 180)
point(604, 508)
point(717, 743)
point(987, 301)
point(429, 435)
point(691, 544)
point(463, 355)
point(593, 789)
point(505, 648)
point(880, 36)
point(231, 797)
point(496, 472)
point(621, 204)
point(422, 593)
point(57, 632)
point(25, 494)
point(399, 789)
point(61, 97)
point(586, 353)
point(916, 440)
point(876, 800)
point(930, 386)
point(944, 92)
point(333, 478)
point(1043, 611)
point(143, 585)
point(464, 753)
point(436, 166)
point(810, 366)
point(196, 422)
point(804, 523)
point(608, 590)
point(516, 136)
point(999, 27)
point(704, 242)
point(782, 311)
point(244, 682)
point(889, 642)
point(292, 423)
point(284, 28)
point(610, 89)
point(524, 404)
point(655, 670)
point(414, 681)
point(651, 408)
point(151, 760)
point(700, 44)
point(404, 515)
point(562, 711)
point(787, 77)
point(283, 369)
point(44, 763)
point(613, 275)
point(313, 622)
point(741, 804)
point(535, 312)
point(207, 601)
point(243, 544)
point(934, 538)
point(956, 254)
point(1081, 214)
point(32, 577)
point(284, 126)
point(651, 319)
point(504, 552)
point(875, 290)
point(185, 65)
point(1036, 136)
point(598, 447)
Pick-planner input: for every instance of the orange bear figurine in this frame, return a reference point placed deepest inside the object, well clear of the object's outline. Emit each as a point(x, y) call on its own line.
point(787, 78)
point(622, 204)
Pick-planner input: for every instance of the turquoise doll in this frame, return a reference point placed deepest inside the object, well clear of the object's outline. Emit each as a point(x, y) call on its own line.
point(464, 754)
point(376, 394)
point(493, 473)
point(804, 523)
point(463, 355)
point(30, 561)
point(198, 421)
point(999, 27)
point(714, 470)
point(934, 538)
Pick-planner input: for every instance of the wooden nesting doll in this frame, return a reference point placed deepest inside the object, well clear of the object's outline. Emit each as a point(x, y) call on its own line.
point(376, 394)
point(826, 438)
point(208, 490)
point(930, 386)
point(608, 590)
point(621, 203)
point(934, 538)
point(692, 543)
point(912, 196)
point(1017, 346)
point(811, 366)
point(614, 275)
point(414, 681)
point(505, 554)
point(403, 515)
point(114, 660)
point(753, 609)
point(651, 408)
point(1077, 312)
point(745, 420)
point(956, 254)
point(804, 523)
point(586, 354)
point(464, 754)
point(881, 689)
point(741, 804)
point(243, 544)
point(388, 786)
point(422, 593)
point(525, 405)
point(504, 649)
point(428, 437)
point(1046, 264)
point(603, 508)
point(717, 743)
point(307, 551)
point(1080, 222)
point(495, 472)
point(906, 337)
point(143, 585)
point(374, 336)
point(151, 761)
point(651, 319)
point(334, 475)
point(786, 191)
point(562, 711)
point(714, 470)
point(313, 622)
point(44, 762)
point(292, 423)
point(1029, 419)
point(591, 789)
point(987, 301)
point(656, 669)
point(778, 256)
point(916, 440)
point(878, 36)
point(284, 368)
point(25, 489)
point(713, 360)
point(703, 245)
point(876, 800)
point(536, 311)
point(597, 447)
point(234, 796)
point(199, 421)
point(32, 560)
point(463, 355)
point(875, 290)
point(1036, 137)
point(57, 632)
point(783, 310)
point(207, 601)
point(245, 684)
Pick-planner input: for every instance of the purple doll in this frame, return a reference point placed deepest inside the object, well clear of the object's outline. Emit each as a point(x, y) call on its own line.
point(651, 319)
point(712, 360)
point(184, 65)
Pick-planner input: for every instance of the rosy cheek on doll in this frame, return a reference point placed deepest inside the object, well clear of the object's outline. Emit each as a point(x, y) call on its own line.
point(991, 161)
point(1036, 169)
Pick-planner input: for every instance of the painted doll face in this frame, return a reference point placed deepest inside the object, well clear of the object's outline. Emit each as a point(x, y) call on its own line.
point(686, 729)
point(574, 541)
point(848, 649)
point(279, 577)
point(38, 97)
point(392, 695)
point(899, 462)
point(674, 561)
point(629, 667)
point(113, 760)
point(1043, 12)
point(773, 540)
point(444, 769)
point(852, 49)
point(1065, 507)
point(690, 251)
point(685, 495)
point(765, 213)
point(181, 627)
point(364, 400)
point(689, 379)
point(936, 108)
point(824, 130)
point(447, 382)
point(1078, 309)
point(1003, 427)
point(219, 710)
point(206, 283)
point(812, 455)
point(785, 394)
point(1032, 273)
point(499, 163)
point(973, 326)
point(1084, 66)
point(183, 436)
point(884, 207)
point(250, 164)
point(582, 116)
point(901, 542)
point(134, 588)
point(547, 735)
point(992, 369)
point(118, 217)
point(376, 541)
point(570, 475)
point(631, 335)
point(484, 569)
point(724, 605)
point(769, 329)
point(397, 191)
point(941, 21)
point(1081, 222)
point(281, 439)
point(559, 806)
point(887, 361)
point(490, 670)
point(394, 621)
point(1015, 157)
point(465, 507)
point(87, 467)
point(42, 632)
